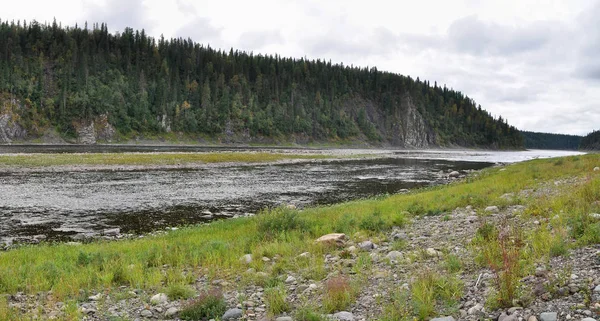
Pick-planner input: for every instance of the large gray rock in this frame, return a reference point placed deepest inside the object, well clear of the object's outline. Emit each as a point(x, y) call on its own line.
point(343, 316)
point(443, 319)
point(549, 316)
point(232, 314)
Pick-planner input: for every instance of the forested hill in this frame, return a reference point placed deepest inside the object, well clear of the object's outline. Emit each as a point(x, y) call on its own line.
point(89, 84)
point(591, 141)
point(535, 140)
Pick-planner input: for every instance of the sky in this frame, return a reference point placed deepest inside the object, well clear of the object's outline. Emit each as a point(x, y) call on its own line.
point(535, 63)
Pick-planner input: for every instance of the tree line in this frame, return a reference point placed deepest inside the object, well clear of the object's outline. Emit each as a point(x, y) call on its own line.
point(62, 75)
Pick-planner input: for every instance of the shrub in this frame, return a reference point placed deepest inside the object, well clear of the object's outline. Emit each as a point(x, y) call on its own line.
point(453, 263)
point(275, 298)
point(281, 219)
point(502, 256)
point(209, 305)
point(179, 291)
point(338, 294)
point(373, 222)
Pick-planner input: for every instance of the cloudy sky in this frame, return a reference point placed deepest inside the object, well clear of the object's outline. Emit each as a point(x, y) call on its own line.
point(535, 63)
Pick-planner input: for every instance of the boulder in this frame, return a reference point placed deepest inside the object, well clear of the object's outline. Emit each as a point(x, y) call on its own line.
point(333, 238)
point(232, 314)
point(343, 316)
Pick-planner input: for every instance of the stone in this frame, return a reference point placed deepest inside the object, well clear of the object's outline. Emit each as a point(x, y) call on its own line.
point(472, 218)
point(588, 319)
point(232, 314)
point(333, 238)
point(532, 318)
point(596, 169)
point(284, 319)
point(172, 311)
point(475, 309)
point(146, 313)
point(343, 316)
point(159, 298)
point(366, 245)
point(505, 317)
point(595, 216)
point(395, 255)
point(443, 319)
point(492, 209)
point(431, 252)
point(247, 258)
point(352, 249)
point(549, 316)
point(454, 174)
point(95, 297)
point(514, 309)
point(597, 289)
point(399, 236)
point(305, 254)
point(290, 279)
point(111, 232)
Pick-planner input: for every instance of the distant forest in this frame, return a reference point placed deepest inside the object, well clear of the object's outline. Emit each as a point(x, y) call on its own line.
point(57, 77)
point(591, 141)
point(535, 140)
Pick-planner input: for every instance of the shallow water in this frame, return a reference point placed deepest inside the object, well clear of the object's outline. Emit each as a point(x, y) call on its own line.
point(60, 205)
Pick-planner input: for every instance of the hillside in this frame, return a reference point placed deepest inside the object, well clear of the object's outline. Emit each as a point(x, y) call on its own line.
point(91, 85)
point(591, 141)
point(535, 140)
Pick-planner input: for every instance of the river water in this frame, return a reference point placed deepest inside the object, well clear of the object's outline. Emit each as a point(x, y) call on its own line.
point(65, 204)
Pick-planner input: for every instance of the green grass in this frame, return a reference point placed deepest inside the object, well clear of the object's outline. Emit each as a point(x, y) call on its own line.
point(217, 247)
point(275, 299)
point(41, 160)
point(210, 305)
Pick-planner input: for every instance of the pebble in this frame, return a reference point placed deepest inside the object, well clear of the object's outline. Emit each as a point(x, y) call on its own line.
point(95, 297)
point(477, 308)
point(596, 169)
point(284, 319)
point(549, 316)
point(454, 174)
point(232, 314)
point(505, 317)
point(343, 316)
point(146, 314)
point(588, 319)
point(290, 279)
point(443, 319)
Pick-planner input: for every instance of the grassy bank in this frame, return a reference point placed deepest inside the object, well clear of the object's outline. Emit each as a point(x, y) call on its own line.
point(107, 159)
point(178, 258)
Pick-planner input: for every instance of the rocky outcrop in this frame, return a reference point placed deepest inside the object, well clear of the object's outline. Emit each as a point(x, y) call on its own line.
point(10, 130)
point(88, 132)
point(415, 133)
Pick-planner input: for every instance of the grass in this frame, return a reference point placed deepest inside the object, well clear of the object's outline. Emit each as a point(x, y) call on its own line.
point(275, 299)
point(179, 291)
point(338, 294)
point(431, 289)
point(210, 305)
point(179, 158)
point(215, 249)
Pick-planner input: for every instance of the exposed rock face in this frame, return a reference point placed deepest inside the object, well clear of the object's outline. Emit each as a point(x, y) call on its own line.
point(415, 131)
point(10, 130)
point(88, 132)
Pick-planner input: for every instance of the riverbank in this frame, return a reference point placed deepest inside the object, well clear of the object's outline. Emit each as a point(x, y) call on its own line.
point(521, 235)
